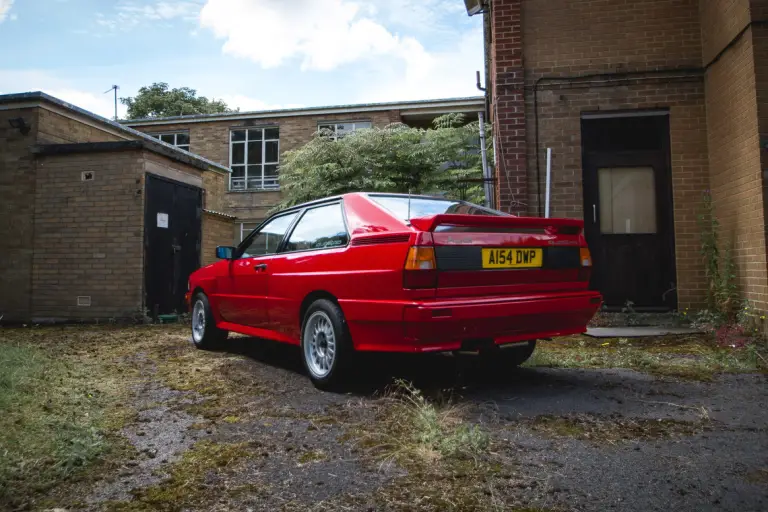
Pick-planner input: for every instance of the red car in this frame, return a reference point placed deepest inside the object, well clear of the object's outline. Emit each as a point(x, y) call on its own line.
point(397, 273)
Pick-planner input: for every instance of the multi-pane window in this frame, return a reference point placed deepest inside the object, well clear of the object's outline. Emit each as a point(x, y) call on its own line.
point(339, 130)
point(178, 139)
point(254, 155)
point(245, 229)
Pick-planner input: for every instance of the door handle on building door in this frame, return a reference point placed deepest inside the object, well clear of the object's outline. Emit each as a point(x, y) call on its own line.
point(594, 213)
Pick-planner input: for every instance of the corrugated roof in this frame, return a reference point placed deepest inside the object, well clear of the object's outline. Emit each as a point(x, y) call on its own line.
point(220, 214)
point(148, 139)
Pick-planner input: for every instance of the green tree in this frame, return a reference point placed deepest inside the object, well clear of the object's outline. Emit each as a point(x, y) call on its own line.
point(158, 100)
point(398, 158)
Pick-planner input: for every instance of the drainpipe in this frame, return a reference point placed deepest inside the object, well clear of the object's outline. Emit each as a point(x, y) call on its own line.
point(484, 155)
point(549, 181)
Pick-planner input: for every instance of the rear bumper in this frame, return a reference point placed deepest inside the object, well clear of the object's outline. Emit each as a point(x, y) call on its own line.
point(447, 325)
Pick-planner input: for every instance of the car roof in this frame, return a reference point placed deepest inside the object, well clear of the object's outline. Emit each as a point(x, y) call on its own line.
point(337, 197)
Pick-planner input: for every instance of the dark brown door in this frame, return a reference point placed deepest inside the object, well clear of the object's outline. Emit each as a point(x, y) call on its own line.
point(629, 226)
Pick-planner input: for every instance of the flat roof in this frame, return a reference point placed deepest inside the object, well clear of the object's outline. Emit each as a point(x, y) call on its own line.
point(34, 99)
point(439, 106)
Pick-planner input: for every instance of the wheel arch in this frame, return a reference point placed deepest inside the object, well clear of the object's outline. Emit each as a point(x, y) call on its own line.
point(312, 297)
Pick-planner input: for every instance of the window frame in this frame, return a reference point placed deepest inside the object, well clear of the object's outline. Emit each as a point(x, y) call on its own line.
point(281, 249)
point(175, 134)
point(335, 124)
point(240, 249)
point(263, 162)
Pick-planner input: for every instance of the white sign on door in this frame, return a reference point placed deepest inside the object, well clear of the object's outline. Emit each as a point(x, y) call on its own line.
point(162, 220)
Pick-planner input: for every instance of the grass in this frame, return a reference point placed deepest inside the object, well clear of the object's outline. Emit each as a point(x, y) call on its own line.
point(692, 357)
point(51, 423)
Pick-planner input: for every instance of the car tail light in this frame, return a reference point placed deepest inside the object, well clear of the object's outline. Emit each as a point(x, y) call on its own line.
point(585, 257)
point(420, 258)
point(420, 268)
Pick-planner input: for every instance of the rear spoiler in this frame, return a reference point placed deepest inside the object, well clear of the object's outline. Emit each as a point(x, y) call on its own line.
point(572, 226)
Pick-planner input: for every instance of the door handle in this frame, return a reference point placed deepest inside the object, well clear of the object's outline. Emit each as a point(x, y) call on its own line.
point(260, 266)
point(594, 213)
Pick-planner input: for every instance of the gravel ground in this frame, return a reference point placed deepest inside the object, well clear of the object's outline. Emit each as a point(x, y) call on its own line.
point(560, 439)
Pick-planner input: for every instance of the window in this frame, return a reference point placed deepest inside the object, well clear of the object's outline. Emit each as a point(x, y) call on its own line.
point(246, 228)
point(178, 139)
point(416, 207)
point(319, 228)
point(253, 157)
point(268, 238)
point(627, 200)
point(341, 129)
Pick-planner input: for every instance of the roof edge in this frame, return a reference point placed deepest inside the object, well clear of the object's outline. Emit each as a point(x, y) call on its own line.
point(151, 142)
point(477, 102)
point(112, 146)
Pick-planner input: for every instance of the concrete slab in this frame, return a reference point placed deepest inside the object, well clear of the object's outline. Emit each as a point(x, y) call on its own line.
point(638, 332)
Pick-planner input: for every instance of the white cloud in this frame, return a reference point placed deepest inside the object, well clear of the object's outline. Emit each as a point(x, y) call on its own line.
point(425, 75)
point(248, 104)
point(15, 81)
point(130, 14)
point(5, 6)
point(322, 34)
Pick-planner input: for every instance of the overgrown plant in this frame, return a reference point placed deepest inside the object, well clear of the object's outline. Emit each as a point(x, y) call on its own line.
point(397, 158)
point(719, 267)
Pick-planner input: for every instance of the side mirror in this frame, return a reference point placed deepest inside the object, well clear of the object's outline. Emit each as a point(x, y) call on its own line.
point(224, 252)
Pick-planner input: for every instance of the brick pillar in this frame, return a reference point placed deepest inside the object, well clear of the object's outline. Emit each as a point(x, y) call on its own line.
point(508, 105)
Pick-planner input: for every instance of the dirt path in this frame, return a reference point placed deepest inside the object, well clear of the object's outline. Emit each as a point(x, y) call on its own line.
point(243, 429)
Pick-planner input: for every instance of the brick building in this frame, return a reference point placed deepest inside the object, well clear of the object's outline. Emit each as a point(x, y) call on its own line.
point(98, 220)
point(251, 143)
point(646, 105)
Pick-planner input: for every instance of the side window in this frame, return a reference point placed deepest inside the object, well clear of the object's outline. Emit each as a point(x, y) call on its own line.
point(269, 237)
point(319, 228)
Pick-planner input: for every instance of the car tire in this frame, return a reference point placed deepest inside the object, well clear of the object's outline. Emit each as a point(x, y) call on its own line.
point(325, 344)
point(509, 357)
point(205, 334)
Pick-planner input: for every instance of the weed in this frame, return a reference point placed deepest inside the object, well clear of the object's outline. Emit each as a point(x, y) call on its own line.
point(415, 430)
point(719, 266)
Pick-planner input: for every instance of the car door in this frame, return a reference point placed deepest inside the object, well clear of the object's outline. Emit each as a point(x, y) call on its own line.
point(245, 302)
point(308, 261)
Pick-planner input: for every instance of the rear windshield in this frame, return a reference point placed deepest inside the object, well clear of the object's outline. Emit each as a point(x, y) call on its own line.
point(422, 207)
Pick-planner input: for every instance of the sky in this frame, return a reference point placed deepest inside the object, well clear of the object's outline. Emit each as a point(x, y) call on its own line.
point(253, 54)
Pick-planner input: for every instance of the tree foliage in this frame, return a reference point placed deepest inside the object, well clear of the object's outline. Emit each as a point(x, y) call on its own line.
point(397, 158)
point(157, 100)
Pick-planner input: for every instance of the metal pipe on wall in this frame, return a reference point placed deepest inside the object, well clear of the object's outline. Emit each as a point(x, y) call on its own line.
point(484, 155)
point(549, 182)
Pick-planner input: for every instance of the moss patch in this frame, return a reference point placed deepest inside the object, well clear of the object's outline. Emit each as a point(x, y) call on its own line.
point(186, 487)
point(692, 357)
point(612, 430)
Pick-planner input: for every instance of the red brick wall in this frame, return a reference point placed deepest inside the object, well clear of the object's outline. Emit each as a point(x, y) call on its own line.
point(508, 104)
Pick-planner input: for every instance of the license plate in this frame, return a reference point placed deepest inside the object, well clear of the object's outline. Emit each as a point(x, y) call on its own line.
point(513, 258)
